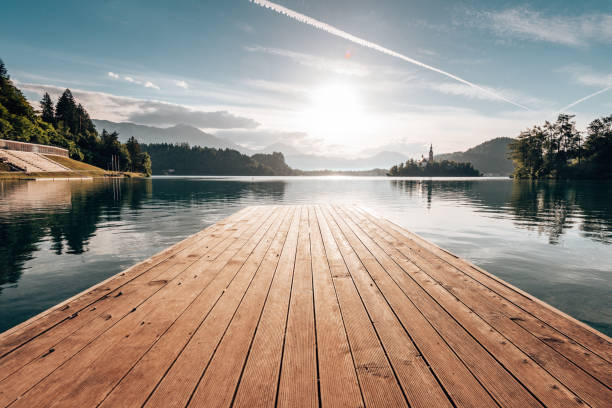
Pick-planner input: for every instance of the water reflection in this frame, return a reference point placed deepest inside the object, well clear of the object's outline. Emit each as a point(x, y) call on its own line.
point(58, 238)
point(547, 207)
point(68, 213)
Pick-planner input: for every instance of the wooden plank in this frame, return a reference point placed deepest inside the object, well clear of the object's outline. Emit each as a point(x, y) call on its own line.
point(218, 383)
point(33, 327)
point(338, 381)
point(420, 287)
point(141, 287)
point(459, 382)
point(298, 376)
point(259, 383)
point(178, 383)
point(133, 335)
point(596, 342)
point(419, 385)
point(377, 380)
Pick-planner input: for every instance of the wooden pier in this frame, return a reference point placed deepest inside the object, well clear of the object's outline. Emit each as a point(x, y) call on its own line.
point(304, 306)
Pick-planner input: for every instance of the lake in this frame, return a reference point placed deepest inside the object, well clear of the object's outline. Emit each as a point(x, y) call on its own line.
point(551, 239)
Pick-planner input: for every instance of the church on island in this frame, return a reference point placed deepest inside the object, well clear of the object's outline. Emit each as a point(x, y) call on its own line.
point(424, 162)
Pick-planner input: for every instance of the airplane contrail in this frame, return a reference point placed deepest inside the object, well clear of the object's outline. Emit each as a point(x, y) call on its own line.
point(365, 43)
point(585, 98)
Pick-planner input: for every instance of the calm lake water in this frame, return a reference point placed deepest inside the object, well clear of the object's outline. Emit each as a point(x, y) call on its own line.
point(552, 239)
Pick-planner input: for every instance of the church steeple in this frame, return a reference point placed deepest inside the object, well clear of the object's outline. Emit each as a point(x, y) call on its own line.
point(431, 153)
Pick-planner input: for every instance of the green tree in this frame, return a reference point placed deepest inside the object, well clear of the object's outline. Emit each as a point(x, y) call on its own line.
point(47, 111)
point(3, 71)
point(66, 111)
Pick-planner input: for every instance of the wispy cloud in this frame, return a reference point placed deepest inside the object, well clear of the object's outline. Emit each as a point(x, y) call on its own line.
point(587, 76)
point(571, 105)
point(368, 44)
point(453, 88)
point(181, 84)
point(132, 80)
point(107, 106)
point(527, 24)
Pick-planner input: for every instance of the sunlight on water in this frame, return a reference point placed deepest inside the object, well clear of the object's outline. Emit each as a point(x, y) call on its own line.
point(553, 240)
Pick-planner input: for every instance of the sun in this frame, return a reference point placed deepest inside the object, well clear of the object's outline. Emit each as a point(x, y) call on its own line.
point(335, 113)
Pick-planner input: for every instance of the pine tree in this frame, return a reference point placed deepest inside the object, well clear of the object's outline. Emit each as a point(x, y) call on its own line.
point(47, 110)
point(66, 111)
point(3, 72)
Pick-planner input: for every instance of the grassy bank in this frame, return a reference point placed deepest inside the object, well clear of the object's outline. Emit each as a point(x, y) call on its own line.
point(79, 170)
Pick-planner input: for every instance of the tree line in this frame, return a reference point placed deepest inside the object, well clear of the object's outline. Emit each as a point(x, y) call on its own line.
point(183, 159)
point(444, 168)
point(558, 150)
point(65, 124)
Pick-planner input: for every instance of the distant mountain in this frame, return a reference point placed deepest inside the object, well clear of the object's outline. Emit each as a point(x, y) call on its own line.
point(282, 148)
point(174, 134)
point(382, 160)
point(490, 157)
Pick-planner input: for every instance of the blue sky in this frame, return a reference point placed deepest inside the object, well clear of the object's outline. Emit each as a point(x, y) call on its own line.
point(257, 77)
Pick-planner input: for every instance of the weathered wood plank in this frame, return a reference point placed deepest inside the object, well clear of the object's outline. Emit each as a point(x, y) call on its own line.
point(298, 377)
point(337, 376)
point(219, 381)
point(259, 383)
point(415, 377)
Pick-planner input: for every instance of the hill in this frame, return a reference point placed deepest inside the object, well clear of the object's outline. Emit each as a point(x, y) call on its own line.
point(490, 157)
point(64, 124)
point(176, 134)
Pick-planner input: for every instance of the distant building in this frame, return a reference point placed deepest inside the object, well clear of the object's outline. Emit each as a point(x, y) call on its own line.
point(424, 162)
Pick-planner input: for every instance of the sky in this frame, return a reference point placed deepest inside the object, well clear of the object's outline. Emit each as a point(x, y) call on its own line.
point(257, 77)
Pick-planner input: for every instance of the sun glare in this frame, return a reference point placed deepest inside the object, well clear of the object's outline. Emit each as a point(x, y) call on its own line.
point(336, 114)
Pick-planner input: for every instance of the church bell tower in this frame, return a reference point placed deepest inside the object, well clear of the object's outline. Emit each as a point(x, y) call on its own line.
point(431, 154)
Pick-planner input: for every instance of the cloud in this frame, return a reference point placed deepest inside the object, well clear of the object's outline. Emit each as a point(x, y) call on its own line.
point(150, 84)
point(260, 138)
point(132, 80)
point(107, 106)
point(371, 45)
point(164, 114)
point(587, 76)
point(527, 24)
point(452, 88)
point(181, 84)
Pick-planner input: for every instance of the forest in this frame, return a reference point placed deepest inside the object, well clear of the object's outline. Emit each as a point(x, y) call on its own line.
point(195, 160)
point(558, 150)
point(64, 124)
point(442, 168)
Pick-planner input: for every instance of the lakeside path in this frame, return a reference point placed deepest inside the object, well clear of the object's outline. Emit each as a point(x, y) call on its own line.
point(304, 306)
